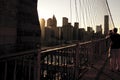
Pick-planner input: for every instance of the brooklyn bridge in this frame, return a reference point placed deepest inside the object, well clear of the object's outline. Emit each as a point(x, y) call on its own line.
point(75, 54)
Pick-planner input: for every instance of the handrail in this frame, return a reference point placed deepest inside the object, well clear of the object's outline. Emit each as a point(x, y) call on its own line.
point(48, 50)
point(65, 61)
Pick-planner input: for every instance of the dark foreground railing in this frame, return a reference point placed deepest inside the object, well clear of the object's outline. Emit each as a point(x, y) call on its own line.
point(62, 63)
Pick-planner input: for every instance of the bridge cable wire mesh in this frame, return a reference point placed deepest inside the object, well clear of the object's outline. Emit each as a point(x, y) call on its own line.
point(90, 13)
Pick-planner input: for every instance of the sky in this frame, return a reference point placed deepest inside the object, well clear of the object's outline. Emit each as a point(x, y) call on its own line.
point(61, 8)
point(48, 8)
point(115, 11)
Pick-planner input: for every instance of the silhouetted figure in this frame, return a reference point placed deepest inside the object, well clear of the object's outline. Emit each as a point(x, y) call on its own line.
point(109, 42)
point(110, 32)
point(115, 50)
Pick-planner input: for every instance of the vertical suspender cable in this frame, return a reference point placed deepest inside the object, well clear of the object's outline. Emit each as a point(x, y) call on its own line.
point(85, 12)
point(110, 13)
point(94, 12)
point(89, 13)
point(101, 11)
point(87, 16)
point(83, 16)
point(80, 10)
point(77, 19)
point(70, 12)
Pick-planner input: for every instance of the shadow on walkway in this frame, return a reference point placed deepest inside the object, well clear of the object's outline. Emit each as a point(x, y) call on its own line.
point(101, 71)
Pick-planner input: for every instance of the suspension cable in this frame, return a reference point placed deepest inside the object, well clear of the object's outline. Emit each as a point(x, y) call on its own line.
point(70, 12)
point(77, 19)
point(80, 12)
point(84, 21)
point(110, 13)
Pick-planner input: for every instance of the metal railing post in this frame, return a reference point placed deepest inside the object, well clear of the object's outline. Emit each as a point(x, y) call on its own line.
point(37, 64)
point(15, 70)
point(77, 62)
point(5, 76)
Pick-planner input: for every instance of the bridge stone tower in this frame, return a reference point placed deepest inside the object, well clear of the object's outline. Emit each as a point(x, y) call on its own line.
point(19, 25)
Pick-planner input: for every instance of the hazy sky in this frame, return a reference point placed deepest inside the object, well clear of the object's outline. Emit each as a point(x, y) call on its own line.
point(46, 9)
point(61, 8)
point(115, 11)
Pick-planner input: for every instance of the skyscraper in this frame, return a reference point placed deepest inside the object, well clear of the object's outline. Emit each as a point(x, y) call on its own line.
point(67, 32)
point(49, 22)
point(54, 21)
point(106, 24)
point(75, 31)
point(99, 29)
point(42, 25)
point(65, 21)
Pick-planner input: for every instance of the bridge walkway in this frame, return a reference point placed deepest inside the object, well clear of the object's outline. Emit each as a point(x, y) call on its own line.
point(83, 61)
point(101, 71)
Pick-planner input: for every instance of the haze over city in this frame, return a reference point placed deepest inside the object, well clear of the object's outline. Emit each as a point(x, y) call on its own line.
point(61, 8)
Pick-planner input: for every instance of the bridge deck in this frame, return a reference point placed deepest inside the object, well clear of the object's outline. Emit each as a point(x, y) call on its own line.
point(101, 71)
point(85, 61)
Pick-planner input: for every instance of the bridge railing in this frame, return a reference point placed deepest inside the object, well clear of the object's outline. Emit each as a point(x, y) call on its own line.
point(62, 63)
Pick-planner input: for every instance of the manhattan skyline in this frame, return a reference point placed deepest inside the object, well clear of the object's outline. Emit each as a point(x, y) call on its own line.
point(47, 9)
